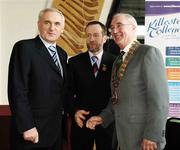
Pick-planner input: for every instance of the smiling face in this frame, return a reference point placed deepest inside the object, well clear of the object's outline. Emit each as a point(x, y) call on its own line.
point(123, 30)
point(51, 25)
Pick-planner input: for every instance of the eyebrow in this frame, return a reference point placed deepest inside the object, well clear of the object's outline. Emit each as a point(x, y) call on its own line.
point(118, 23)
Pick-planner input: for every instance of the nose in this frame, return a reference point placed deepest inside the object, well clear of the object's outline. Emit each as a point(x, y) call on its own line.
point(115, 29)
point(91, 38)
point(52, 27)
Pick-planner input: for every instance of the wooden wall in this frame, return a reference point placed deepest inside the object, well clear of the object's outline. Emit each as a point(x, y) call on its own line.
point(77, 15)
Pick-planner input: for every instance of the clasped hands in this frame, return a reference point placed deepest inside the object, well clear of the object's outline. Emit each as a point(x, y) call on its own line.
point(91, 123)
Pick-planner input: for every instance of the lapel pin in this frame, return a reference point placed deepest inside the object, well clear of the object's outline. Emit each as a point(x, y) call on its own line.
point(104, 67)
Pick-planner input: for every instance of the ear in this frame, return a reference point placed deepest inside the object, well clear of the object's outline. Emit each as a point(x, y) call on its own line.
point(134, 27)
point(62, 30)
point(105, 37)
point(38, 22)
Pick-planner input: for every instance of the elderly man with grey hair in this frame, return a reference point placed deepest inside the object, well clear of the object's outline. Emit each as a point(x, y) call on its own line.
point(37, 86)
point(140, 100)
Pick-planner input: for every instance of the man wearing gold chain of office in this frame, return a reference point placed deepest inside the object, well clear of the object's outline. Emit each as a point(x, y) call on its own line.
point(139, 103)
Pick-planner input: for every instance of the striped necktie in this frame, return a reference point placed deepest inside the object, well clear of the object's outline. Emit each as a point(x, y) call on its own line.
point(95, 66)
point(54, 56)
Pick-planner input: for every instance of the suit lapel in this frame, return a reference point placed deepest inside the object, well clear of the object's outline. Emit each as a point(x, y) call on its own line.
point(102, 66)
point(62, 61)
point(88, 65)
point(135, 53)
point(42, 50)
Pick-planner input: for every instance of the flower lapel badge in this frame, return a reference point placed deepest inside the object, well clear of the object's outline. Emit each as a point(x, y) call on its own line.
point(104, 67)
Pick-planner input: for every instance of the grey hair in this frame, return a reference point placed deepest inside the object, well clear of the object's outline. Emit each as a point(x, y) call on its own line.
point(129, 17)
point(42, 12)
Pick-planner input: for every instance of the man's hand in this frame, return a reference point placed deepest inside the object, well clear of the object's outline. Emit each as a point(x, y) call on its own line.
point(31, 135)
point(80, 117)
point(93, 121)
point(148, 145)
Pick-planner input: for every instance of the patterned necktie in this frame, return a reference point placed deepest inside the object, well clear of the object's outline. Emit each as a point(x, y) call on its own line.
point(119, 62)
point(117, 65)
point(54, 56)
point(95, 66)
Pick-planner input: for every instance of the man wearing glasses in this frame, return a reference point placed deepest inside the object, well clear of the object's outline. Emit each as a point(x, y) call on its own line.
point(139, 102)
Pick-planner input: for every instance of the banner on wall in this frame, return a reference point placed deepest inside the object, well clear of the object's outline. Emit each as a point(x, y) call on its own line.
point(162, 27)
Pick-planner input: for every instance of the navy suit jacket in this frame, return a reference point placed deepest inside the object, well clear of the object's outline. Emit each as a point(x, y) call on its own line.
point(36, 90)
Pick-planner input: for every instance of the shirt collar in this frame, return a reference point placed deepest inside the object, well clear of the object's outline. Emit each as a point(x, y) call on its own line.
point(99, 55)
point(126, 49)
point(46, 43)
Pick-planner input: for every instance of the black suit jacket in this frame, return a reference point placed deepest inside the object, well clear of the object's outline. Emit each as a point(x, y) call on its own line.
point(92, 94)
point(36, 90)
point(88, 92)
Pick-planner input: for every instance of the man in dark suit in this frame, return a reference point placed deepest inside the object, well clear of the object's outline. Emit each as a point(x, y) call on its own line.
point(90, 89)
point(37, 86)
point(140, 99)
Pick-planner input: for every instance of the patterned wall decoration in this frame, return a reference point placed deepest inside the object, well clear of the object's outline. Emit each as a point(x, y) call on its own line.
point(77, 14)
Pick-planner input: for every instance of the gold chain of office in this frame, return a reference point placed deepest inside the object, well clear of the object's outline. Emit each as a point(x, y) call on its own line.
point(121, 71)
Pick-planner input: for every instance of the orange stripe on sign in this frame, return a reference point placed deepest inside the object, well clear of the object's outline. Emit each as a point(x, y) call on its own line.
point(173, 73)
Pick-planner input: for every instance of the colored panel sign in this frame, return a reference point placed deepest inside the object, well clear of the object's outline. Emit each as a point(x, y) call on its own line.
point(173, 73)
point(173, 51)
point(173, 61)
point(162, 25)
point(174, 92)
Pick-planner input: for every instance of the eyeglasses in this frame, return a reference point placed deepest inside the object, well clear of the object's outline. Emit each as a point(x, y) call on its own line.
point(117, 26)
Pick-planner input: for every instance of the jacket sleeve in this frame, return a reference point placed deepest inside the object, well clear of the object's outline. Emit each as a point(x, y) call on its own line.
point(107, 115)
point(157, 95)
point(18, 80)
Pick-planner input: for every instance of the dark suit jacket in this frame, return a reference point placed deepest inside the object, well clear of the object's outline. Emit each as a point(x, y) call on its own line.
point(36, 90)
point(90, 93)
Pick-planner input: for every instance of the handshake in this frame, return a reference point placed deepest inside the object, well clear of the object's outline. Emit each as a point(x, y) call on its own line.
point(91, 123)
